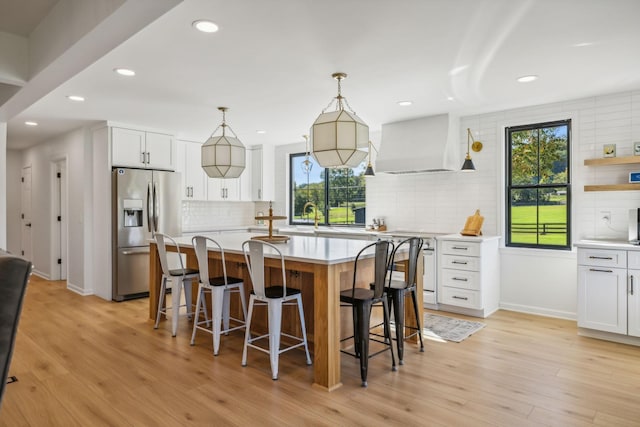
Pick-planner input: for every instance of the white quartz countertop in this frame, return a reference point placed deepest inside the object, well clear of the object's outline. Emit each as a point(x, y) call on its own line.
point(607, 244)
point(462, 238)
point(311, 249)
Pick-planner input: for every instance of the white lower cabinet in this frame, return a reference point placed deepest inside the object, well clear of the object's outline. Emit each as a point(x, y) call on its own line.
point(608, 298)
point(469, 274)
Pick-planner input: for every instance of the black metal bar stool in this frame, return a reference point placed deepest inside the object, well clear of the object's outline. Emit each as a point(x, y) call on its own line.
point(362, 300)
point(397, 291)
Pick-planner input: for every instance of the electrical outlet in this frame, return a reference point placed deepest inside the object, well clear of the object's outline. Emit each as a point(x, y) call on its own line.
point(605, 216)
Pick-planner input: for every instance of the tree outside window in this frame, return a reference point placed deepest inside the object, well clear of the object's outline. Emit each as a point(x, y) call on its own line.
point(338, 194)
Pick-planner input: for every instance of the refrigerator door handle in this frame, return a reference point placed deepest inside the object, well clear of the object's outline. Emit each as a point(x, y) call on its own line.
point(149, 207)
point(136, 251)
point(155, 207)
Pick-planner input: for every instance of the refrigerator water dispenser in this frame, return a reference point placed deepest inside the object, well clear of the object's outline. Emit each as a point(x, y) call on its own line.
point(132, 212)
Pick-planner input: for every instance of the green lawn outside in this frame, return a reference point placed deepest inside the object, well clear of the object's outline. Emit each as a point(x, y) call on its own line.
point(337, 215)
point(548, 214)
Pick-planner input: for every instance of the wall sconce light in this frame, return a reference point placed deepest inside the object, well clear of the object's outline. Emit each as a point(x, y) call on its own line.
point(474, 145)
point(369, 171)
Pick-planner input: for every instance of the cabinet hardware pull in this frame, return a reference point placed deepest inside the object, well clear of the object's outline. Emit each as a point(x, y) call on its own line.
point(601, 257)
point(460, 248)
point(148, 157)
point(259, 194)
point(187, 195)
point(142, 157)
point(601, 271)
point(457, 297)
point(631, 285)
point(460, 279)
point(459, 262)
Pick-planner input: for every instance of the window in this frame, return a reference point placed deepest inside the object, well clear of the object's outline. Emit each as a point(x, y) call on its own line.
point(538, 185)
point(338, 195)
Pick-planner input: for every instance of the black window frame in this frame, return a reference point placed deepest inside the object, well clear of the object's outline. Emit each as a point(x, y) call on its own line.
point(327, 196)
point(510, 186)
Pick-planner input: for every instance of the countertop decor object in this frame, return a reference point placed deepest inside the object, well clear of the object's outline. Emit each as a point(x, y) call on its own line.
point(271, 237)
point(338, 136)
point(609, 150)
point(473, 226)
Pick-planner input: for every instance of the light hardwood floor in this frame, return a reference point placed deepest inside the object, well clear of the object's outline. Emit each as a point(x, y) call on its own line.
point(82, 361)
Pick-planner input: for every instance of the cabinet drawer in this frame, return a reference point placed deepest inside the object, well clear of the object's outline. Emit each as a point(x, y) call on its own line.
point(603, 258)
point(461, 297)
point(461, 279)
point(461, 248)
point(461, 262)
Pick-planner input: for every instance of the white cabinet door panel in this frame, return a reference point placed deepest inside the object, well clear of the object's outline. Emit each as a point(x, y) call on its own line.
point(127, 148)
point(633, 303)
point(602, 298)
point(159, 148)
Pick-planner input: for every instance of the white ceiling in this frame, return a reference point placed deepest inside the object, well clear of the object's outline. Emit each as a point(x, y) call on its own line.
point(272, 60)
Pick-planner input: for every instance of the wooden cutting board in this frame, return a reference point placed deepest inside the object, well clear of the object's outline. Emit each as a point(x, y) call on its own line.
point(473, 226)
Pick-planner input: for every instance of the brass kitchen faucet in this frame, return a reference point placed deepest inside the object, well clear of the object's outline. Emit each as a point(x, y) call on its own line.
point(315, 210)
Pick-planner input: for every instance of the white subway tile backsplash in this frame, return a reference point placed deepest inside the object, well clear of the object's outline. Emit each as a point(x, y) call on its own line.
point(209, 215)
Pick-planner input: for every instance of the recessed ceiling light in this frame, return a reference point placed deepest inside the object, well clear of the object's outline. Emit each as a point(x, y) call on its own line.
point(76, 98)
point(527, 79)
point(405, 103)
point(583, 44)
point(261, 132)
point(450, 98)
point(205, 26)
point(125, 72)
point(29, 123)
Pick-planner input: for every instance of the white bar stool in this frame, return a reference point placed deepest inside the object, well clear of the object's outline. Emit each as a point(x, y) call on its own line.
point(274, 297)
point(177, 278)
point(220, 288)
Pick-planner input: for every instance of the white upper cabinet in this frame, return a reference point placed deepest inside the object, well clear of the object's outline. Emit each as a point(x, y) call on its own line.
point(262, 173)
point(140, 149)
point(194, 178)
point(223, 189)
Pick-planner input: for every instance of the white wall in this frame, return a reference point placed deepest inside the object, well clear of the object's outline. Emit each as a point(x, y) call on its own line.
point(14, 188)
point(71, 147)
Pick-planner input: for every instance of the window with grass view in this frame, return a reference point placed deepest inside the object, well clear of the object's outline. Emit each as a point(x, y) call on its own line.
point(538, 185)
point(336, 195)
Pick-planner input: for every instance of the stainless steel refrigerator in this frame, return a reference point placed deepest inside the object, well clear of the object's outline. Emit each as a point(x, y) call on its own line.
point(144, 202)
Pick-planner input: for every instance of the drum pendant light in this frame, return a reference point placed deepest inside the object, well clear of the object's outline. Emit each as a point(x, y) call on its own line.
point(338, 137)
point(223, 156)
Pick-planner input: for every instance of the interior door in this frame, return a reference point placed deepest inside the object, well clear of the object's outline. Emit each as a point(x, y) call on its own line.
point(27, 244)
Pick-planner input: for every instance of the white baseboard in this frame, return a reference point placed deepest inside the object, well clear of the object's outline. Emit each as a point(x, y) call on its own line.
point(608, 336)
point(540, 311)
point(41, 274)
point(79, 290)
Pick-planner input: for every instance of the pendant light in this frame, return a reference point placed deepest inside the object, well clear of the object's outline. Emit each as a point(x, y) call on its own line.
point(223, 156)
point(369, 170)
point(468, 165)
point(307, 164)
point(338, 136)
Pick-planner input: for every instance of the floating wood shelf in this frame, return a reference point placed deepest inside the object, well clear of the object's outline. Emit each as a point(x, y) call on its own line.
point(612, 187)
point(605, 161)
point(609, 161)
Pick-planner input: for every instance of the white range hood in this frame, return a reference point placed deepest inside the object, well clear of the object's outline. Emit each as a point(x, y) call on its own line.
point(427, 144)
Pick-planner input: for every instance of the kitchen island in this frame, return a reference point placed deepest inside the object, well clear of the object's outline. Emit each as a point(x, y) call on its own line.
point(321, 267)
